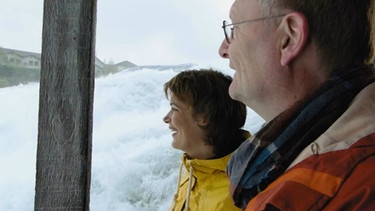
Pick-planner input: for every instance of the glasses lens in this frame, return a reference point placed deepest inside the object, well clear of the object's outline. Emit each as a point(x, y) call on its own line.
point(228, 30)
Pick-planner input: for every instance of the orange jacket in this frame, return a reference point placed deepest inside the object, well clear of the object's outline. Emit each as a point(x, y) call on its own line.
point(335, 172)
point(314, 185)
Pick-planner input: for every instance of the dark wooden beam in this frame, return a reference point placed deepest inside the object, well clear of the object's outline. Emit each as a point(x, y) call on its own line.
point(66, 105)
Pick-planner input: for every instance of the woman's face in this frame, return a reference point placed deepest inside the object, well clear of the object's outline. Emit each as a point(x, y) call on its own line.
point(186, 133)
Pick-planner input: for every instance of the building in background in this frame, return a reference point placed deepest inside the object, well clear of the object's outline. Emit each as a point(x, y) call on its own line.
point(20, 67)
point(17, 58)
point(24, 59)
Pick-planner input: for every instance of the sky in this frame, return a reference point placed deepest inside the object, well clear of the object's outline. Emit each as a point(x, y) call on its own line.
point(144, 32)
point(134, 167)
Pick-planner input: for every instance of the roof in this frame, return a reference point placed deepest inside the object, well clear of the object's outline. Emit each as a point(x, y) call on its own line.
point(21, 53)
point(126, 63)
point(24, 54)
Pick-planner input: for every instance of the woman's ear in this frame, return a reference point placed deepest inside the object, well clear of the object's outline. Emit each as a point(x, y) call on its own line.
point(294, 28)
point(202, 120)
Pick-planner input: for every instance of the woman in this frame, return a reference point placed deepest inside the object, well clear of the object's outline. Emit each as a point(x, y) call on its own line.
point(206, 125)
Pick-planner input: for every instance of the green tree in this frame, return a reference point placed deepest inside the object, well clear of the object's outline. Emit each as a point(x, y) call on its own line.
point(3, 57)
point(4, 82)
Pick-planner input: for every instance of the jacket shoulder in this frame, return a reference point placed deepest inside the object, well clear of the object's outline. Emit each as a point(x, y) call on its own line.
point(338, 180)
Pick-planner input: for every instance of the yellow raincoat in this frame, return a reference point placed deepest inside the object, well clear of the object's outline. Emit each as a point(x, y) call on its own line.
point(203, 186)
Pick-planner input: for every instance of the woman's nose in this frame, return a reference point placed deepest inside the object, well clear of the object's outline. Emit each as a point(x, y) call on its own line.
point(223, 49)
point(166, 118)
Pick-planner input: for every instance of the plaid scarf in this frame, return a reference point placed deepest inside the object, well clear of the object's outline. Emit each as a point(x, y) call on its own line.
point(267, 154)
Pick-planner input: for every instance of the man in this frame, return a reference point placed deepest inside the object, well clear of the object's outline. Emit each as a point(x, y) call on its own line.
point(304, 66)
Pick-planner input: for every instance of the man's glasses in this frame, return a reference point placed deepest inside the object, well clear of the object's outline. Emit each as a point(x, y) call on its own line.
point(228, 27)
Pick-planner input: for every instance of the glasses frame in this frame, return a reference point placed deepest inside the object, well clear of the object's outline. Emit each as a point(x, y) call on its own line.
point(225, 25)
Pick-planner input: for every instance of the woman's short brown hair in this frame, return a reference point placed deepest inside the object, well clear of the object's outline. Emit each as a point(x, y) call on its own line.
point(206, 91)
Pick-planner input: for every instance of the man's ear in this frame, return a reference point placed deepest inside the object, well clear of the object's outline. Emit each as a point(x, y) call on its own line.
point(295, 33)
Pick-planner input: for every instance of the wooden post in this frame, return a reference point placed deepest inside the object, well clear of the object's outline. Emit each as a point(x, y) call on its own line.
point(66, 105)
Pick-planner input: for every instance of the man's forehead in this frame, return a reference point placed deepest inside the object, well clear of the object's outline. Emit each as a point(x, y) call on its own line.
point(242, 9)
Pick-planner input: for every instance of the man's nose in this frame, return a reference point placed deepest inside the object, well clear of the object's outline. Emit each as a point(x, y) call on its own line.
point(223, 50)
